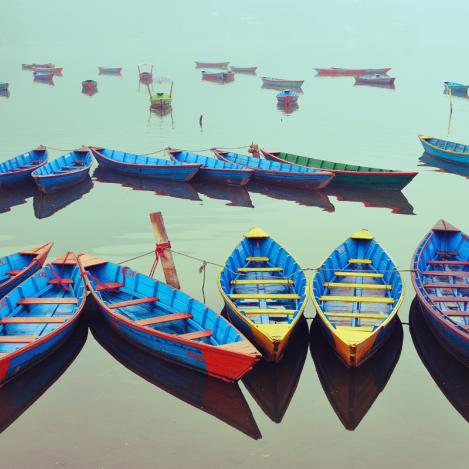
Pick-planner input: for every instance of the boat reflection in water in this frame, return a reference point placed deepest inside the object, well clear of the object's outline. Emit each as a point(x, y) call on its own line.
point(281, 88)
point(396, 201)
point(288, 108)
point(458, 94)
point(272, 385)
point(45, 205)
point(17, 195)
point(220, 399)
point(236, 196)
point(5, 93)
point(308, 198)
point(21, 392)
point(178, 190)
point(388, 86)
point(444, 166)
point(352, 391)
point(45, 79)
point(450, 375)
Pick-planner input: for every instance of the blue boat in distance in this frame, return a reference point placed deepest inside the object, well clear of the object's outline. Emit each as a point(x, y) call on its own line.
point(18, 170)
point(456, 153)
point(64, 171)
point(213, 170)
point(458, 88)
point(144, 166)
point(273, 172)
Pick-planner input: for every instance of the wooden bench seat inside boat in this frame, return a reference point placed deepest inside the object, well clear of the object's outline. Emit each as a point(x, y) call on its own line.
point(136, 301)
point(33, 320)
point(60, 281)
point(48, 301)
point(163, 319)
point(450, 299)
point(265, 296)
point(448, 262)
point(108, 286)
point(17, 339)
point(271, 312)
point(446, 253)
point(445, 285)
point(456, 314)
point(196, 335)
point(260, 269)
point(359, 261)
point(363, 286)
point(358, 274)
point(13, 272)
point(257, 259)
point(264, 281)
point(356, 315)
point(357, 299)
point(446, 273)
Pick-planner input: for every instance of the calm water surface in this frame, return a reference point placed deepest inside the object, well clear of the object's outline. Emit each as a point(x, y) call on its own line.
point(112, 407)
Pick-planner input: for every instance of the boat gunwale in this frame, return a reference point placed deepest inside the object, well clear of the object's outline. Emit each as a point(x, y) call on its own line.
point(27, 170)
point(425, 138)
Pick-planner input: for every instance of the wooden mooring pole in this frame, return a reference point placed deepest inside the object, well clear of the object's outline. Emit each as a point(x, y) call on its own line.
point(165, 254)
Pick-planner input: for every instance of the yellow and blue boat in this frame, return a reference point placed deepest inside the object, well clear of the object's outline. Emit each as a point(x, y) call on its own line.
point(357, 292)
point(265, 292)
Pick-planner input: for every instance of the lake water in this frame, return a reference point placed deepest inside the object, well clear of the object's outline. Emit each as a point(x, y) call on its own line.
point(113, 407)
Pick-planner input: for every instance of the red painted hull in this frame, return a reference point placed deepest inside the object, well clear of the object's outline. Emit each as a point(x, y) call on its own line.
point(349, 72)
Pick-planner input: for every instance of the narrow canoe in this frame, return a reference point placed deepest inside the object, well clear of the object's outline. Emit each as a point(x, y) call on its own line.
point(131, 164)
point(440, 274)
point(375, 79)
point(218, 76)
point(18, 169)
point(250, 70)
point(167, 322)
point(273, 172)
point(17, 267)
point(212, 64)
point(269, 81)
point(350, 72)
point(64, 171)
point(52, 70)
point(213, 170)
point(38, 315)
point(455, 87)
point(110, 70)
point(455, 153)
point(346, 173)
point(357, 292)
point(265, 292)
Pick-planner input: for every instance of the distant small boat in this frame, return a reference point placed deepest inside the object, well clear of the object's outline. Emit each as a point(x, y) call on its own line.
point(110, 70)
point(167, 322)
point(52, 70)
point(212, 64)
point(455, 87)
point(43, 74)
point(374, 79)
point(251, 70)
point(18, 169)
point(440, 273)
point(269, 81)
point(4, 86)
point(64, 171)
point(287, 97)
point(145, 73)
point(144, 166)
point(213, 170)
point(350, 72)
point(32, 66)
point(17, 267)
point(218, 76)
point(89, 87)
point(27, 66)
point(456, 153)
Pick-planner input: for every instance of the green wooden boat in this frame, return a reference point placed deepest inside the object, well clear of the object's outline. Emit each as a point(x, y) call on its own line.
point(345, 173)
point(161, 100)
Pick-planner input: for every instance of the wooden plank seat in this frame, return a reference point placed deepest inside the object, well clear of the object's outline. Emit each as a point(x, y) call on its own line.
point(446, 273)
point(14, 272)
point(359, 261)
point(363, 286)
point(108, 286)
point(265, 296)
point(445, 285)
point(457, 314)
point(48, 301)
point(450, 299)
point(33, 320)
point(358, 274)
point(270, 312)
point(263, 281)
point(446, 253)
point(136, 301)
point(260, 269)
point(61, 281)
point(71, 167)
point(17, 339)
point(196, 335)
point(357, 299)
point(163, 319)
point(356, 315)
point(257, 259)
point(439, 262)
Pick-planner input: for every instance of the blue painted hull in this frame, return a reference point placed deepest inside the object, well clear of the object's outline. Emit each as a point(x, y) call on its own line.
point(18, 279)
point(53, 183)
point(18, 170)
point(452, 157)
point(298, 180)
point(230, 177)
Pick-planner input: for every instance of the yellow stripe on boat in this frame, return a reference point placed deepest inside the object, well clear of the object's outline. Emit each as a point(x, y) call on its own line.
point(262, 282)
point(364, 286)
point(359, 261)
point(260, 269)
point(357, 299)
point(358, 274)
point(356, 315)
point(363, 234)
point(269, 311)
point(265, 296)
point(257, 259)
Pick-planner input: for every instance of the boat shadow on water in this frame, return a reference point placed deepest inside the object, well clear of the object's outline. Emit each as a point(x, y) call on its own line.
point(450, 375)
point(443, 166)
point(352, 391)
point(281, 88)
point(272, 385)
point(215, 397)
point(16, 195)
point(288, 109)
point(21, 392)
point(235, 196)
point(45, 205)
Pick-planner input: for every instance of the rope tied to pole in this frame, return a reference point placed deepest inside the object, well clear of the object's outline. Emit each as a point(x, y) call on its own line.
point(159, 252)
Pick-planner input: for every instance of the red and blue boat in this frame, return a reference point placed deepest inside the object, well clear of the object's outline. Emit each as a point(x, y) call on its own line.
point(65, 171)
point(213, 170)
point(17, 267)
point(131, 164)
point(167, 322)
point(18, 170)
point(456, 153)
point(37, 316)
point(440, 275)
point(222, 77)
point(273, 172)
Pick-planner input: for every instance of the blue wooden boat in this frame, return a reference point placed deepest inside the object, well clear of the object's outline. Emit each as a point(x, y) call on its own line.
point(213, 170)
point(357, 292)
point(273, 172)
point(265, 292)
point(455, 87)
point(17, 267)
point(440, 275)
point(18, 169)
point(64, 171)
point(167, 322)
point(38, 315)
point(455, 153)
point(4, 86)
point(144, 166)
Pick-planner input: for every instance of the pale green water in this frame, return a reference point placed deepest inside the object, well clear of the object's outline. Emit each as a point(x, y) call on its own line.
point(99, 414)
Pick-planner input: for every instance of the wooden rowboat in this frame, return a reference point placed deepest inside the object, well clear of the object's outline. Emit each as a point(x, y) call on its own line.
point(440, 273)
point(17, 267)
point(46, 70)
point(213, 170)
point(280, 82)
point(456, 153)
point(250, 70)
point(223, 77)
point(350, 72)
point(265, 292)
point(167, 322)
point(18, 170)
point(65, 171)
point(110, 70)
point(375, 79)
point(345, 173)
point(37, 316)
point(131, 164)
point(212, 64)
point(272, 172)
point(458, 88)
point(357, 292)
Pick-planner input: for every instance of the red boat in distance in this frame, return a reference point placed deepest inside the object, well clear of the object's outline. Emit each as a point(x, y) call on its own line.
point(350, 72)
point(221, 65)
